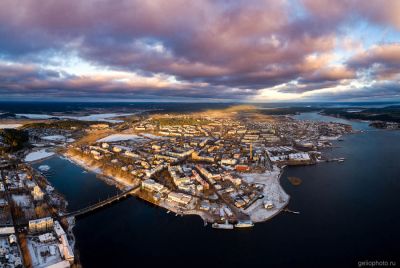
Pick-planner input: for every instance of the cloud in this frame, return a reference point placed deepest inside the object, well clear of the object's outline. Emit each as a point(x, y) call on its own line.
point(383, 91)
point(383, 61)
point(222, 49)
point(384, 12)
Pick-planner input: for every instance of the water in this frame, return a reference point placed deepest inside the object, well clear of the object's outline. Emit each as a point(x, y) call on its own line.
point(80, 188)
point(314, 116)
point(349, 213)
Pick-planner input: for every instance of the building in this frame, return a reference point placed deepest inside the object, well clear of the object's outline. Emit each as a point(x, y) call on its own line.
point(64, 247)
point(37, 193)
point(12, 239)
point(117, 149)
point(179, 198)
point(151, 185)
point(105, 145)
point(47, 237)
point(40, 225)
point(242, 168)
point(228, 161)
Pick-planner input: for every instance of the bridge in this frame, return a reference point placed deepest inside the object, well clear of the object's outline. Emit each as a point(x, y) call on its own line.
point(101, 204)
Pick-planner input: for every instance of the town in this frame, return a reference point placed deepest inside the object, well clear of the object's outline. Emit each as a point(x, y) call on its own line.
point(224, 167)
point(30, 231)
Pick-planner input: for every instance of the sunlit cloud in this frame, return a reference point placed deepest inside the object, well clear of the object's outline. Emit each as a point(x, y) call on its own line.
point(250, 50)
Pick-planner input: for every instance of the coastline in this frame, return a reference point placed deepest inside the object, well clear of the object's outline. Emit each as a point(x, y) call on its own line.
point(256, 212)
point(121, 185)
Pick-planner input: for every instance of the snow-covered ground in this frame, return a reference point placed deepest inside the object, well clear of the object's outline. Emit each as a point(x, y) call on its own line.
point(115, 180)
point(44, 168)
point(21, 200)
point(272, 191)
point(54, 138)
point(34, 156)
point(107, 117)
point(57, 138)
point(36, 116)
point(39, 253)
point(151, 136)
point(101, 117)
point(120, 137)
point(7, 126)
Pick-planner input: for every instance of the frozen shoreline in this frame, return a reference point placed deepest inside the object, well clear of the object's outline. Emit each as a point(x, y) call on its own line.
point(119, 183)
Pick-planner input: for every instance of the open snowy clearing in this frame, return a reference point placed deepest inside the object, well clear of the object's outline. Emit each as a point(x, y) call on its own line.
point(272, 191)
point(92, 117)
point(8, 126)
point(57, 138)
point(120, 137)
point(34, 156)
point(151, 136)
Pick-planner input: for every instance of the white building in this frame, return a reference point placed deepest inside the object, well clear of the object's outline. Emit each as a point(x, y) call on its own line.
point(151, 185)
point(179, 198)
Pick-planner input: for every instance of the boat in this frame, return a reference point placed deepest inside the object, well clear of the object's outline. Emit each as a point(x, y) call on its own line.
point(226, 226)
point(291, 211)
point(244, 224)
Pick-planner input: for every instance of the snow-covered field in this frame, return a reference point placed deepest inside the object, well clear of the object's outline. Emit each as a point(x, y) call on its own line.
point(120, 137)
point(34, 156)
point(21, 200)
point(54, 138)
point(101, 117)
point(151, 136)
point(57, 138)
point(7, 126)
point(35, 116)
point(107, 117)
point(273, 193)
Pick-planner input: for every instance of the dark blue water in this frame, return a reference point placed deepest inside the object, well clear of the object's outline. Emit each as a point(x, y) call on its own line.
point(80, 188)
point(349, 213)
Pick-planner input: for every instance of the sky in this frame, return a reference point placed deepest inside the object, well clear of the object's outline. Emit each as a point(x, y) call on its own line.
point(206, 50)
